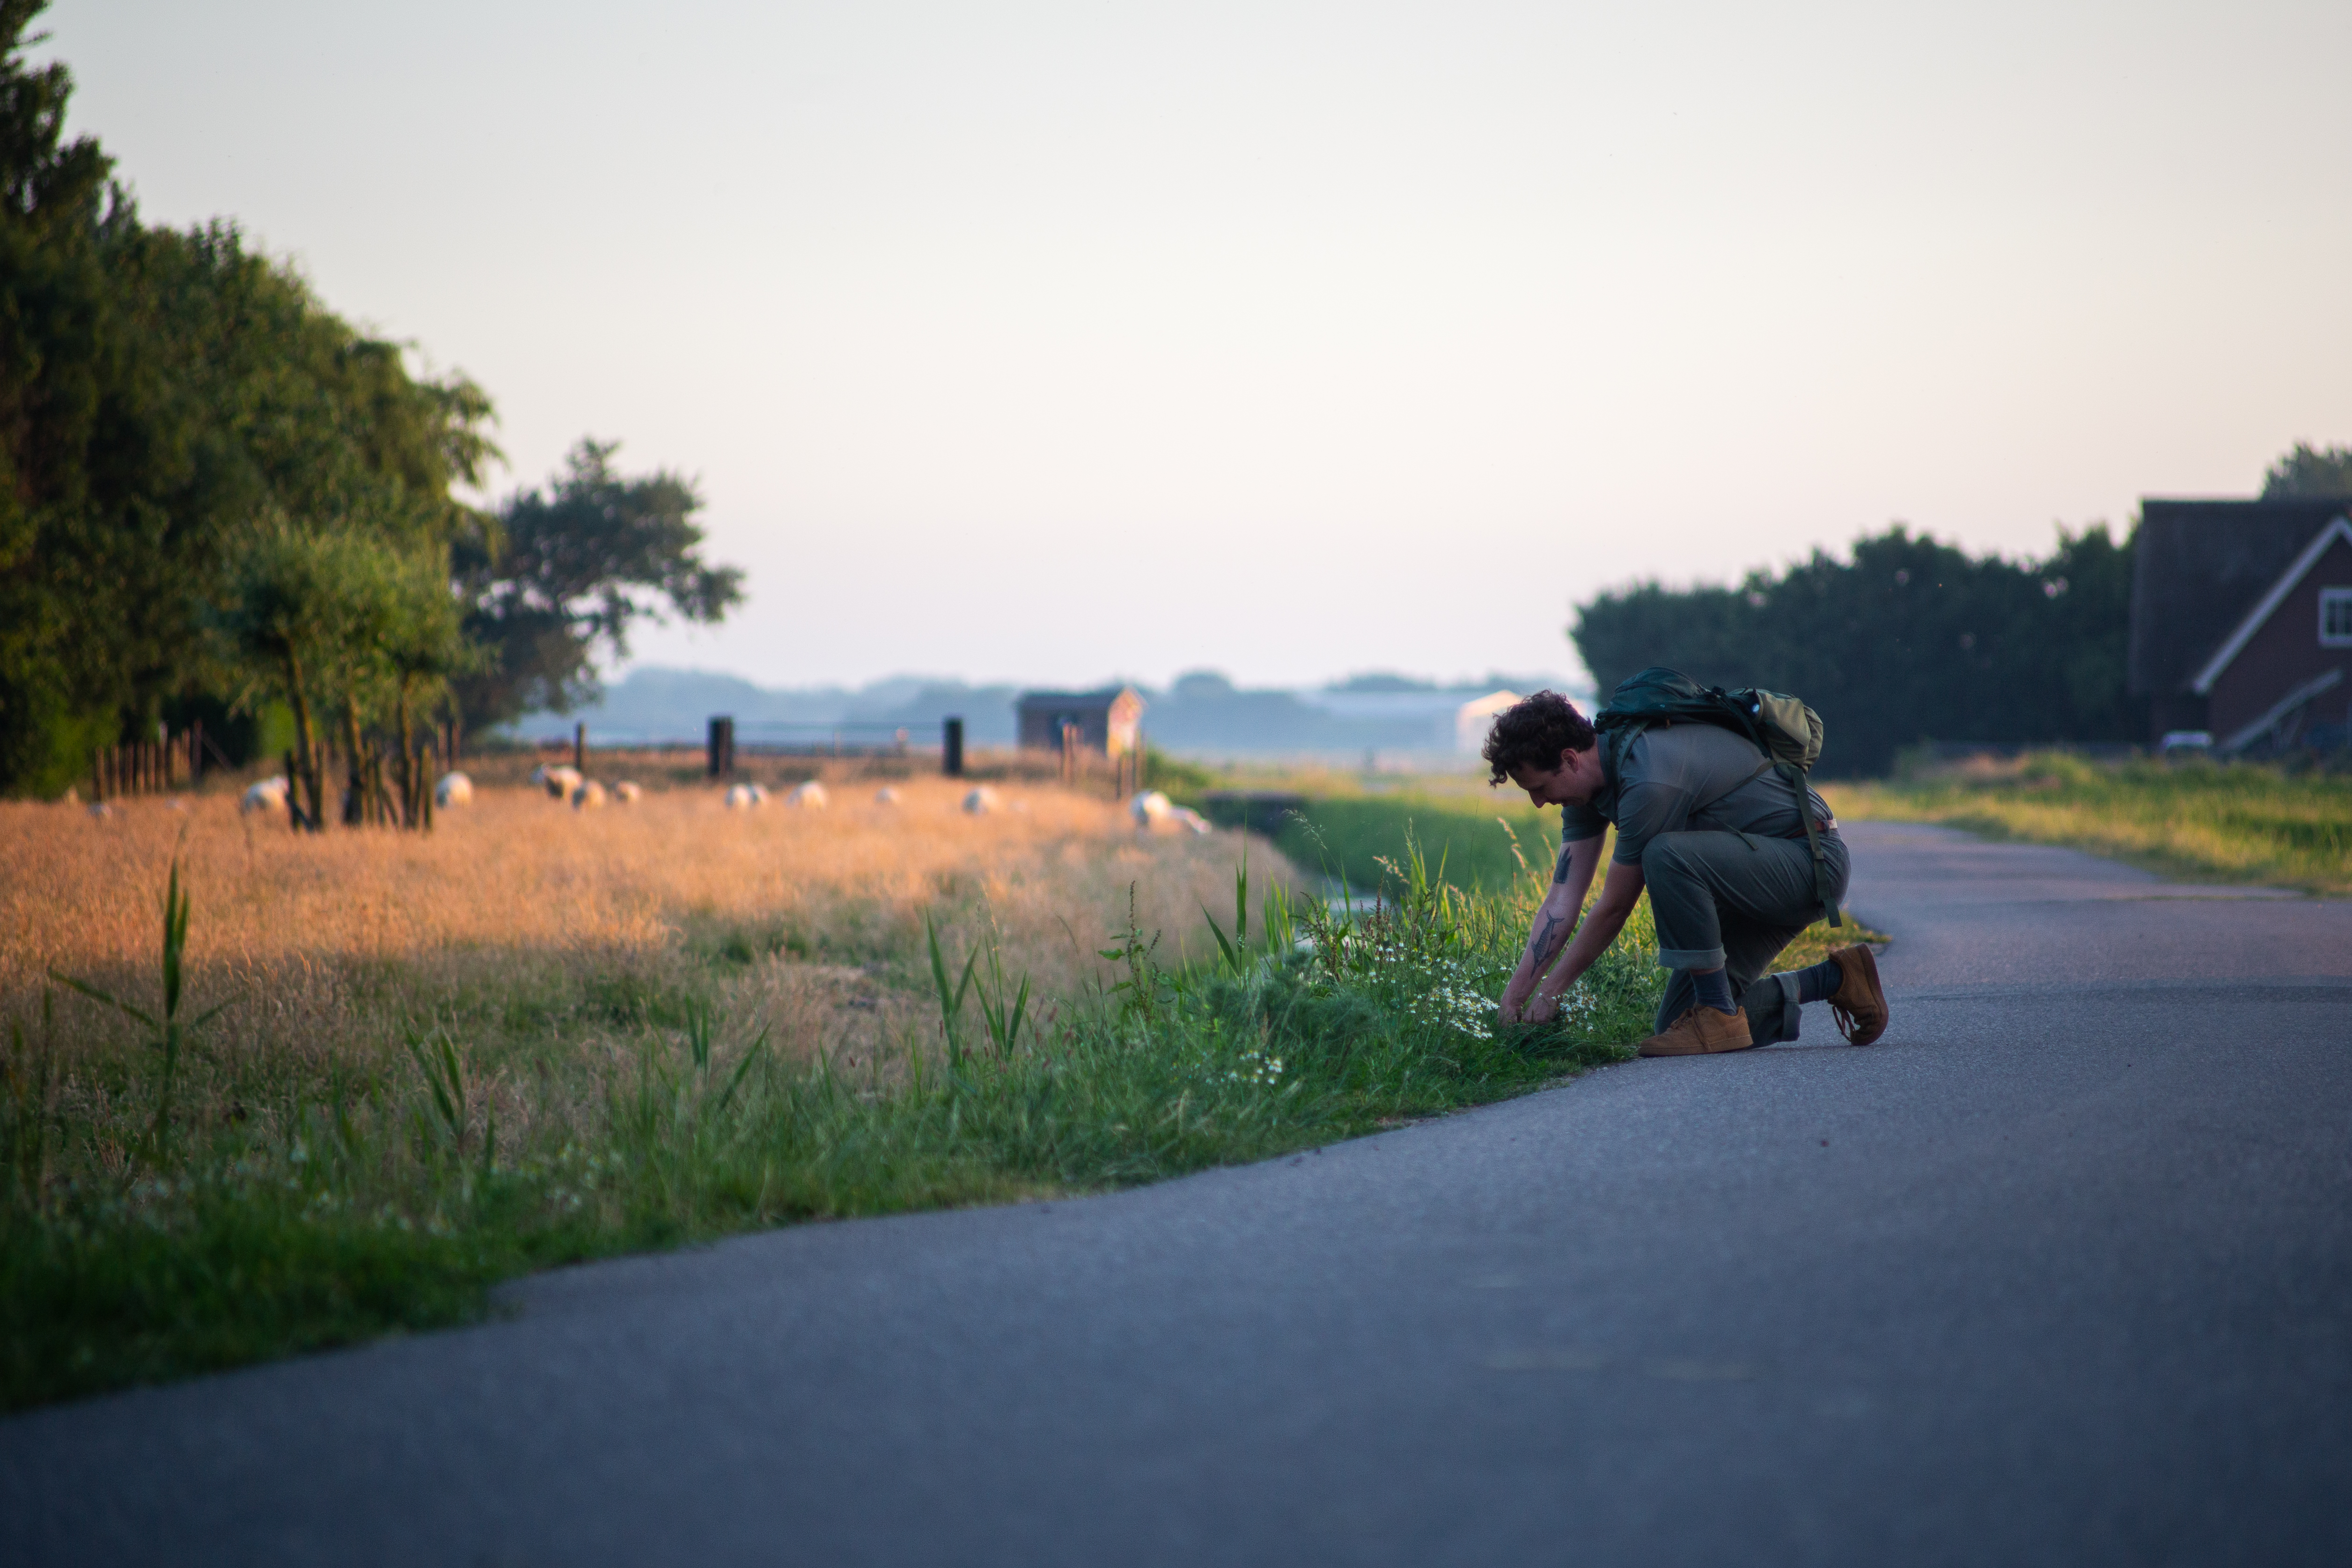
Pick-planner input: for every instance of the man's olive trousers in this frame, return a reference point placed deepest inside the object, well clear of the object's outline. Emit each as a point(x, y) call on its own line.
point(1736, 899)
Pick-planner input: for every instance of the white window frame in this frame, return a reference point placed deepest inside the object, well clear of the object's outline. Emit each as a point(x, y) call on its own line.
point(2340, 601)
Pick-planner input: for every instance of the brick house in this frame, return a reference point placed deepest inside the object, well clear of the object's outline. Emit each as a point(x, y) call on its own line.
point(2241, 620)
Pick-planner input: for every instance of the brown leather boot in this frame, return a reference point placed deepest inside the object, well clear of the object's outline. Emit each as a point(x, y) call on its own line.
point(1859, 1007)
point(1702, 1031)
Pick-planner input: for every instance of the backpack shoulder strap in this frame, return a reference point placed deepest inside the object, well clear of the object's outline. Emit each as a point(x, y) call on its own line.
point(1757, 772)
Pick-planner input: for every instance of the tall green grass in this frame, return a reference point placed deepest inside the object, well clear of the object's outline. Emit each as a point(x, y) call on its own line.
point(2231, 822)
point(384, 1198)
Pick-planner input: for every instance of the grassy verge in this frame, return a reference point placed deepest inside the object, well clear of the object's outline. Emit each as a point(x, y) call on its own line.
point(181, 1196)
point(2234, 822)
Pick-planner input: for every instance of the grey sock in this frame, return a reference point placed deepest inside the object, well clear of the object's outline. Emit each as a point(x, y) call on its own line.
point(1713, 988)
point(1820, 982)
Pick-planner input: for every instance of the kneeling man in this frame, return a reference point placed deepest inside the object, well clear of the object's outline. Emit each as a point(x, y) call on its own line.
point(1704, 823)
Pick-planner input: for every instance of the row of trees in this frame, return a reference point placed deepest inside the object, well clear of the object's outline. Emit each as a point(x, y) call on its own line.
point(1911, 639)
point(1907, 640)
point(217, 495)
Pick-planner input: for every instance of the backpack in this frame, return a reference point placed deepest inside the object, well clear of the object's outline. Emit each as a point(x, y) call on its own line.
point(1788, 732)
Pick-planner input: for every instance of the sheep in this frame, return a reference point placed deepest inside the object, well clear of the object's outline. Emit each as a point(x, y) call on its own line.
point(266, 795)
point(982, 800)
point(743, 797)
point(588, 796)
point(453, 789)
point(558, 782)
point(627, 793)
point(885, 796)
point(1152, 809)
point(810, 796)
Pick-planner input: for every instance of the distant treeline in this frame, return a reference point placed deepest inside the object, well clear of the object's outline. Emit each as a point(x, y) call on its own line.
point(1910, 640)
point(219, 501)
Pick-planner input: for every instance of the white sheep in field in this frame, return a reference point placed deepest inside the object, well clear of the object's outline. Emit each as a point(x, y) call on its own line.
point(453, 789)
point(743, 797)
point(982, 800)
point(1153, 810)
point(885, 796)
point(558, 782)
point(810, 796)
point(627, 793)
point(269, 794)
point(588, 796)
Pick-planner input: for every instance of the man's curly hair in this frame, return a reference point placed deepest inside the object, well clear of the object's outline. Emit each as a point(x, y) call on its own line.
point(1532, 732)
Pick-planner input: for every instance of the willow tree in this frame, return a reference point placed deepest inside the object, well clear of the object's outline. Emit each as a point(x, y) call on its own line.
point(423, 647)
point(286, 615)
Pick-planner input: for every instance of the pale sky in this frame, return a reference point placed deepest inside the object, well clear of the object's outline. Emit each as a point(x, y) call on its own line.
point(1041, 343)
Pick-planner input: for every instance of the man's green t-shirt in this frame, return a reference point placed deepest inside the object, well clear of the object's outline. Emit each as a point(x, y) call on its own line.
point(1670, 770)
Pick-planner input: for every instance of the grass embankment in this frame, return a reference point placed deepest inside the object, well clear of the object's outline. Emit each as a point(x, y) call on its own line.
point(1486, 840)
point(2228, 822)
point(541, 1034)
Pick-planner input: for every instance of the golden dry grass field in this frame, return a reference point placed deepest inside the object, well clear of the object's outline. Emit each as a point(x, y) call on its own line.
point(539, 1034)
point(521, 919)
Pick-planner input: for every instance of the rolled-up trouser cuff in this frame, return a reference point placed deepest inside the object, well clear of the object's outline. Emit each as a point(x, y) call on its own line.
point(1690, 958)
point(1789, 1012)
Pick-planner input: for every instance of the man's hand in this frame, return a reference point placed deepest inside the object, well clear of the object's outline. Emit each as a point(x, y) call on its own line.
point(1542, 1010)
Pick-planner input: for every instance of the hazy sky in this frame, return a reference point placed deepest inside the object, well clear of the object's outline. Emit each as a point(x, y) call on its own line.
point(1045, 341)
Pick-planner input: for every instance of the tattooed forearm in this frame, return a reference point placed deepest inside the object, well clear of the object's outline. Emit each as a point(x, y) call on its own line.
point(1548, 937)
point(1559, 872)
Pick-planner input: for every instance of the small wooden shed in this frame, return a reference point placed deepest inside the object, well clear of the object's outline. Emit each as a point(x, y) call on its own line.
point(1109, 721)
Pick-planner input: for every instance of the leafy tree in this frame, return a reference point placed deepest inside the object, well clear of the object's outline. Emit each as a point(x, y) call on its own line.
point(565, 571)
point(1908, 641)
point(423, 647)
point(59, 380)
point(286, 620)
point(2307, 472)
point(159, 390)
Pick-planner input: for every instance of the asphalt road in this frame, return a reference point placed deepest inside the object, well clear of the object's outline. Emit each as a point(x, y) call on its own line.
point(2059, 1272)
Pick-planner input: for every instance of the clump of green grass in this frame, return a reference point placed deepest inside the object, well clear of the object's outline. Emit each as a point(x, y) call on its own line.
point(347, 1194)
point(2228, 822)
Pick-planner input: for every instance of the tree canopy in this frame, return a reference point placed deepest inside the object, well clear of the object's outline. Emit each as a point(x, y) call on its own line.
point(2309, 471)
point(567, 570)
point(159, 390)
point(183, 423)
point(1911, 639)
